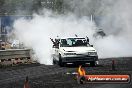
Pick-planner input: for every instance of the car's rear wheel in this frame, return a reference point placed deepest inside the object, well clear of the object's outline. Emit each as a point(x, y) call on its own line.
point(54, 62)
point(60, 61)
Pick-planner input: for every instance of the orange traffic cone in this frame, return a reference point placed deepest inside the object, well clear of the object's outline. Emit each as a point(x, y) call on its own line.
point(26, 84)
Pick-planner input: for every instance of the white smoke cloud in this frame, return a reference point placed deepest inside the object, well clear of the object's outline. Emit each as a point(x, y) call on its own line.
point(36, 33)
point(115, 21)
point(114, 18)
point(113, 46)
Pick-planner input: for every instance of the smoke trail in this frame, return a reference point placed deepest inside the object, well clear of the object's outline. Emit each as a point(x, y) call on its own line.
point(114, 17)
point(36, 33)
point(117, 24)
point(115, 21)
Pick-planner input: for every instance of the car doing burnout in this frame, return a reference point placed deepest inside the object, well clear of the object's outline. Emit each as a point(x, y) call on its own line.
point(74, 50)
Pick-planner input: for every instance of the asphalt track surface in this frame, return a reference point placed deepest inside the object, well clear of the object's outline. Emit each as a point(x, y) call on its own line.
point(53, 76)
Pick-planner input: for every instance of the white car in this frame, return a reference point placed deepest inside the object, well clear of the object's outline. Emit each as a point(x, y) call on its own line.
point(74, 50)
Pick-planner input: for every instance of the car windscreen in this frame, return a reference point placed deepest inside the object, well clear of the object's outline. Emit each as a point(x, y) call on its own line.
point(74, 42)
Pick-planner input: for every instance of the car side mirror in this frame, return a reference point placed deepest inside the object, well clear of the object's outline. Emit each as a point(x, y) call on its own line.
point(91, 45)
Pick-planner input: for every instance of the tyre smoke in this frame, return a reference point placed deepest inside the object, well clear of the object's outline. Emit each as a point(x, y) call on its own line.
point(114, 19)
point(36, 33)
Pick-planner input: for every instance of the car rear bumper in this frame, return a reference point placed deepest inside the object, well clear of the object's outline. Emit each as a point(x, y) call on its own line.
point(83, 59)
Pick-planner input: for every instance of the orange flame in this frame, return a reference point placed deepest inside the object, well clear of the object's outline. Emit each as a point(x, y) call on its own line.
point(81, 71)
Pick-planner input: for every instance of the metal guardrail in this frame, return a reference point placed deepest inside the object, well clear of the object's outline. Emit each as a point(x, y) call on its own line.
point(14, 53)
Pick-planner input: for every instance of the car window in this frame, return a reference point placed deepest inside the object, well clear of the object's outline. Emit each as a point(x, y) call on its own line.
point(74, 42)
